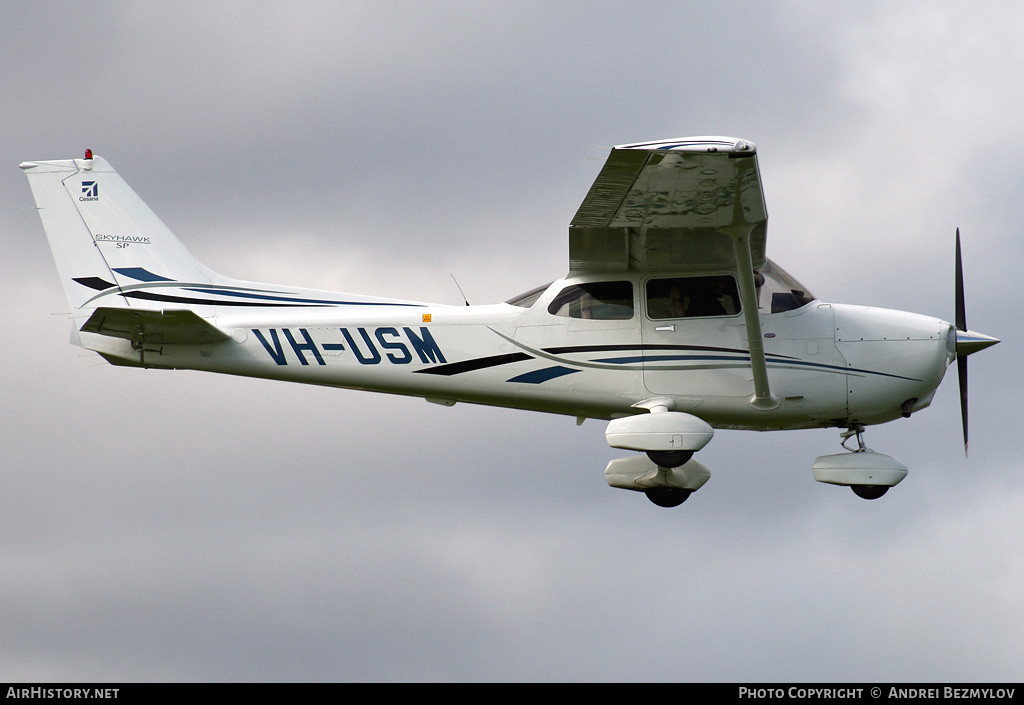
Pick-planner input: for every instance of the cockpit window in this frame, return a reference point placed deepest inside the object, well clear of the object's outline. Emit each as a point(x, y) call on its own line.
point(606, 301)
point(778, 291)
point(686, 297)
point(528, 299)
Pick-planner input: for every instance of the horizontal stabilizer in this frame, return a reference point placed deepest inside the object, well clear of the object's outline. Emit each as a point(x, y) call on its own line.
point(154, 327)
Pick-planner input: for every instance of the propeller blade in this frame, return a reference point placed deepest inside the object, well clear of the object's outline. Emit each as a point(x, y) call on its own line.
point(961, 325)
point(961, 373)
point(961, 310)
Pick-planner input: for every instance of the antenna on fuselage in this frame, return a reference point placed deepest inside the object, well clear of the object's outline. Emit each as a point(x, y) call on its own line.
point(459, 288)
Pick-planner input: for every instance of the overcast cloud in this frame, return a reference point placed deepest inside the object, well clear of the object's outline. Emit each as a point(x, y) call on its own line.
point(176, 526)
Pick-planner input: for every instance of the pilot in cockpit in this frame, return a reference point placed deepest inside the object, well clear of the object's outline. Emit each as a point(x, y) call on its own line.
point(709, 298)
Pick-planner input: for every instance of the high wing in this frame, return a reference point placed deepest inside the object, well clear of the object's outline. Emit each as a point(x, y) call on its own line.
point(671, 204)
point(692, 204)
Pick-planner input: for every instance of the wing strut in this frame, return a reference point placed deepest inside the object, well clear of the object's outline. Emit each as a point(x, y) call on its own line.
point(763, 398)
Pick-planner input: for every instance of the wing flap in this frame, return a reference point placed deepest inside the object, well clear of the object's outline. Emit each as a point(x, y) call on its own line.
point(176, 327)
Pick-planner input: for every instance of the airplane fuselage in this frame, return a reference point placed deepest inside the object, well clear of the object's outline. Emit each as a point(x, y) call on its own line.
point(829, 364)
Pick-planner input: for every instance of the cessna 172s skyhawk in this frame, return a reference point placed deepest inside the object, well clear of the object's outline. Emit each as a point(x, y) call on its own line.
point(670, 323)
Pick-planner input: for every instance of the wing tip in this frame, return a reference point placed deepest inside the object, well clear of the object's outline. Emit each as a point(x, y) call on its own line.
point(699, 144)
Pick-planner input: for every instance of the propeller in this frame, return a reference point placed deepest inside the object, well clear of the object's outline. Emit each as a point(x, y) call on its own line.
point(967, 341)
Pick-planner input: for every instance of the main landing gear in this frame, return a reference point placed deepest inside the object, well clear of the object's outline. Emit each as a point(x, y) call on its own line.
point(665, 470)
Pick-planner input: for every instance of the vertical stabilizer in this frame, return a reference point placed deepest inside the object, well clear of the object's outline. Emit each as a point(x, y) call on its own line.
point(104, 238)
point(129, 281)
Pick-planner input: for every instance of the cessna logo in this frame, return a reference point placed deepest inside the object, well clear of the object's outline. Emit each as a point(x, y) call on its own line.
point(90, 191)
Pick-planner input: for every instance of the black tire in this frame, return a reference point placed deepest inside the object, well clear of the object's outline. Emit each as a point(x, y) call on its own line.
point(669, 458)
point(668, 496)
point(869, 491)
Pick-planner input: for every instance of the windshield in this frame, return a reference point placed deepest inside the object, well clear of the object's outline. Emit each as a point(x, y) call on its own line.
point(777, 291)
point(529, 298)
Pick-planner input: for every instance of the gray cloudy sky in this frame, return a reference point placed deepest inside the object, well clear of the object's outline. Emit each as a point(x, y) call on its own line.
point(175, 526)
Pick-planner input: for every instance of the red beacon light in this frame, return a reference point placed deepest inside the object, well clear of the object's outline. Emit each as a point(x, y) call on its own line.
point(88, 154)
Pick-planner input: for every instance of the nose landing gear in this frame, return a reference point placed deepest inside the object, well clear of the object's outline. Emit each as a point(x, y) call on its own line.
point(867, 473)
point(856, 430)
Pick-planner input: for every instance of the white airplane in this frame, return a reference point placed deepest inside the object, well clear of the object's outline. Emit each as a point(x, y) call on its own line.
point(670, 323)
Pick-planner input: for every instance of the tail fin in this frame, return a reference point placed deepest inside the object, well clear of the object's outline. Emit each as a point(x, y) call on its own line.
point(106, 241)
point(128, 278)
